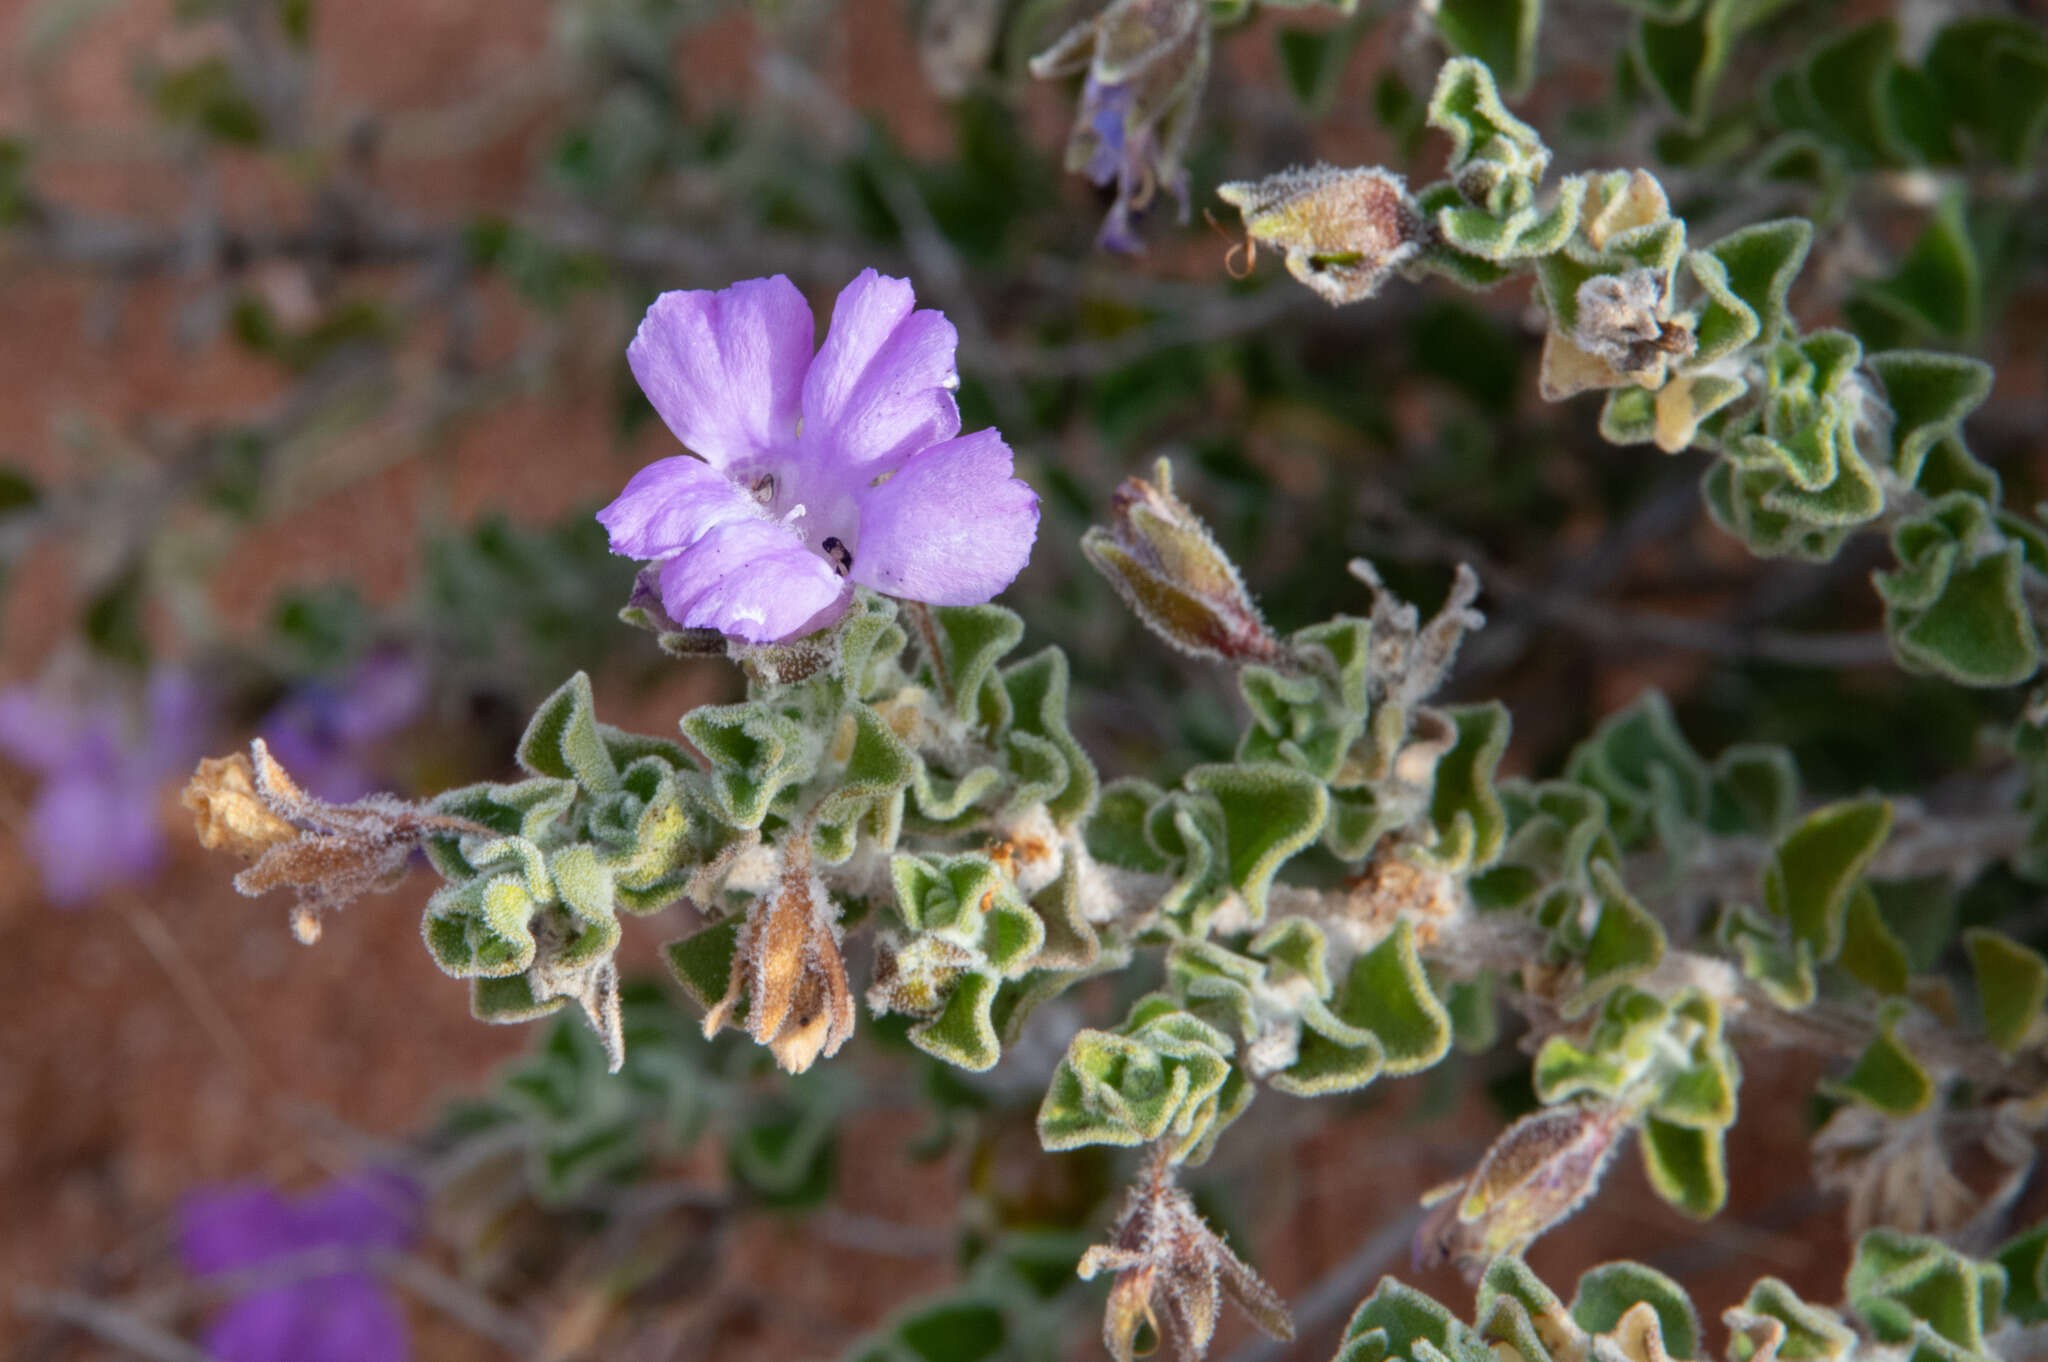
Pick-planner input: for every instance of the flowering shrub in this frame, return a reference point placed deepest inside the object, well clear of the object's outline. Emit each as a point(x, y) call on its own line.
point(1323, 865)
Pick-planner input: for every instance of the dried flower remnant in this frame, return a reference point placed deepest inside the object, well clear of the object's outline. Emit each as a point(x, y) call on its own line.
point(1165, 564)
point(94, 824)
point(1900, 1172)
point(338, 1314)
point(331, 854)
point(1341, 232)
point(1173, 1273)
point(1147, 61)
point(788, 968)
point(1540, 1170)
point(815, 473)
point(1621, 321)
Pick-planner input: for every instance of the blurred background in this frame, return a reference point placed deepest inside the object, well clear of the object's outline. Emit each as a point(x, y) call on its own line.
point(312, 327)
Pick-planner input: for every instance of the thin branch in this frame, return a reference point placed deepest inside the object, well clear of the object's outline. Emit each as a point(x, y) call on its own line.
point(107, 1322)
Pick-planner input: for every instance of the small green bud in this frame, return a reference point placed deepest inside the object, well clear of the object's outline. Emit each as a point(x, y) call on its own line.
point(1165, 564)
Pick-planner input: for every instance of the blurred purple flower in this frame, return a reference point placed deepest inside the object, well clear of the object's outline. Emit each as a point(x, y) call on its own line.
point(342, 1315)
point(1147, 61)
point(322, 731)
point(816, 472)
point(94, 822)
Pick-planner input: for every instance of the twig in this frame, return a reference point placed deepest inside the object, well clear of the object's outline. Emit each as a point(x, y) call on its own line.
point(107, 1322)
point(191, 986)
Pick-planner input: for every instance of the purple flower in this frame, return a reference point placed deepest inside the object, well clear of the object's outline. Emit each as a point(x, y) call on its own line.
point(94, 823)
point(336, 1313)
point(1147, 61)
point(816, 472)
point(322, 731)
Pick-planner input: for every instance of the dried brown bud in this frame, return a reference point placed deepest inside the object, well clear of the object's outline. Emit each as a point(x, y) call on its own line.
point(1162, 560)
point(1173, 1273)
point(331, 854)
point(788, 968)
point(1341, 231)
point(1540, 1170)
point(227, 812)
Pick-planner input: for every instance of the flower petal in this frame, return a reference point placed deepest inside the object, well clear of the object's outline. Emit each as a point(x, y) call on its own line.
point(671, 504)
point(726, 369)
point(342, 1318)
point(951, 528)
point(236, 1227)
point(372, 1209)
point(752, 579)
point(881, 388)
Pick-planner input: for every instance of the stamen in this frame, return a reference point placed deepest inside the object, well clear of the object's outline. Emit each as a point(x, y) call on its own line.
point(841, 556)
point(763, 489)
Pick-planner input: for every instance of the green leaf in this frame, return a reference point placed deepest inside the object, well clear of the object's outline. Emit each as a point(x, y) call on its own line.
point(878, 768)
point(1783, 968)
point(1643, 766)
point(2025, 1260)
point(1496, 159)
point(1501, 33)
point(1162, 1073)
point(562, 739)
point(1805, 1333)
point(1746, 275)
point(1755, 791)
point(1116, 832)
point(1869, 950)
point(1398, 1322)
point(1992, 73)
point(2012, 985)
point(1609, 1291)
point(1463, 808)
point(1887, 1077)
point(1686, 1166)
point(1816, 868)
point(1955, 605)
point(962, 1034)
point(1937, 289)
point(1900, 1281)
point(1270, 812)
point(755, 754)
point(702, 962)
point(972, 639)
point(1312, 62)
point(1848, 80)
point(1626, 943)
point(1037, 689)
point(1388, 993)
point(1929, 393)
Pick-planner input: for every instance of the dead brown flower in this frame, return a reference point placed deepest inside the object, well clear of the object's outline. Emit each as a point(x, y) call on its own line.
point(331, 854)
point(1173, 1273)
point(788, 968)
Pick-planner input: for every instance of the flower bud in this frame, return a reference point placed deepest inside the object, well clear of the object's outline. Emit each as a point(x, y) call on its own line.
point(1165, 564)
point(1340, 231)
point(1540, 1170)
